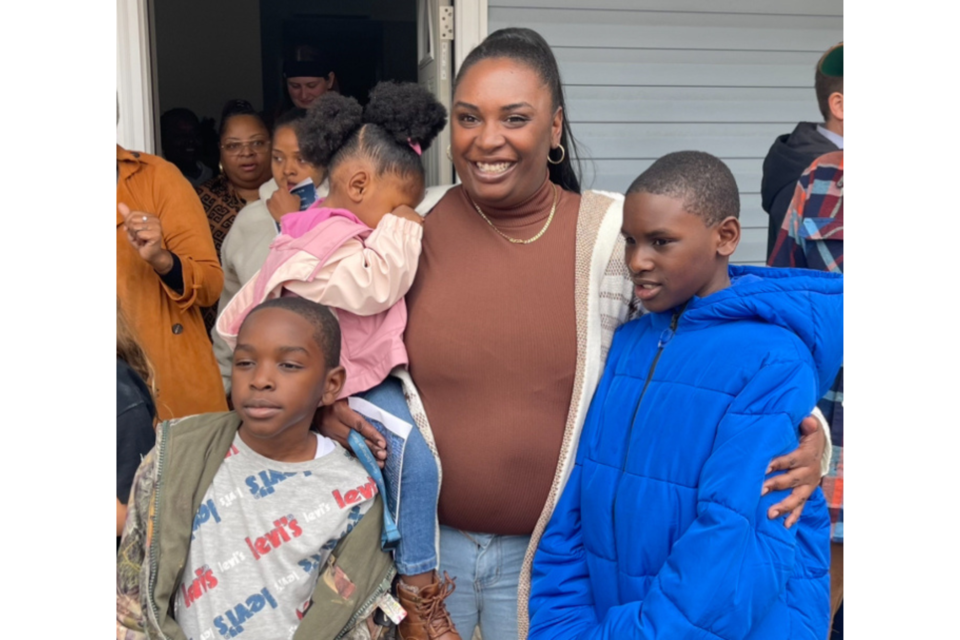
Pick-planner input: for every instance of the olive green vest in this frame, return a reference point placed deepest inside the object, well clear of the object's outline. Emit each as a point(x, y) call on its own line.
point(189, 453)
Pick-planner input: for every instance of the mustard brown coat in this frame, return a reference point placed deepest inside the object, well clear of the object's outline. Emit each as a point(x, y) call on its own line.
point(168, 324)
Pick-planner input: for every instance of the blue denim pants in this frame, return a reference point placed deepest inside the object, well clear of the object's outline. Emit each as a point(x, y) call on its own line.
point(409, 465)
point(487, 569)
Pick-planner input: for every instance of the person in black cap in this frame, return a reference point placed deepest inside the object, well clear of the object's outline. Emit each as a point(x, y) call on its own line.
point(792, 153)
point(308, 75)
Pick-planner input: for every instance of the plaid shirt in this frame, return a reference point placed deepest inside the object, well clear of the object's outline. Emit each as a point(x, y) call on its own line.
point(812, 232)
point(812, 238)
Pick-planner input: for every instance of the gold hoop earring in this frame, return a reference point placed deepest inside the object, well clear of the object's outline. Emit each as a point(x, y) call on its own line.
point(563, 154)
point(449, 157)
point(220, 164)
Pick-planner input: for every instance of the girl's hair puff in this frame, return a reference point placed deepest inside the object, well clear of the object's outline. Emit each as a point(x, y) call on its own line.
point(406, 111)
point(398, 115)
point(331, 120)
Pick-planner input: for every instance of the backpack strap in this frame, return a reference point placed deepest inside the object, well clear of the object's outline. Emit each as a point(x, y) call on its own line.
point(391, 535)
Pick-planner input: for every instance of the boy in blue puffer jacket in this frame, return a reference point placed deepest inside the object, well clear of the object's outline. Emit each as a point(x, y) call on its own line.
point(661, 531)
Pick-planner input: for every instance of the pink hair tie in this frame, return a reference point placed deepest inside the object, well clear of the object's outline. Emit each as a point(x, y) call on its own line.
point(415, 146)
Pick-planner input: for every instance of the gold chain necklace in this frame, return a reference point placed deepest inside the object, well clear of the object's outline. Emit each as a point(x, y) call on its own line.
point(553, 209)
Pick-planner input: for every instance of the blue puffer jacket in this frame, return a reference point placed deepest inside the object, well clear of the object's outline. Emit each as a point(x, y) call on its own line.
point(661, 531)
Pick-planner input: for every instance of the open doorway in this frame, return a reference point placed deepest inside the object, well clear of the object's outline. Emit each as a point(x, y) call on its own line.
point(207, 53)
point(203, 54)
point(367, 42)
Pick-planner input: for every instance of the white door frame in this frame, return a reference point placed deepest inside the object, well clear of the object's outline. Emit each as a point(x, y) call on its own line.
point(469, 28)
point(134, 77)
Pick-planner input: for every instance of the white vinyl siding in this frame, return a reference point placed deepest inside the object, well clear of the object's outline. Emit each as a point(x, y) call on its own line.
point(647, 77)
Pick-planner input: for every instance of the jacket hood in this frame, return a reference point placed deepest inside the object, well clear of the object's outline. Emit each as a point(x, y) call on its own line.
point(807, 303)
point(789, 156)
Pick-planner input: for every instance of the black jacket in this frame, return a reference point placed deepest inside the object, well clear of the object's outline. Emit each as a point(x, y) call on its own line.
point(135, 434)
point(787, 159)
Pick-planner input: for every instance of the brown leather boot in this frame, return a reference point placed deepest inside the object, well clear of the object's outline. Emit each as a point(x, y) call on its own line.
point(427, 616)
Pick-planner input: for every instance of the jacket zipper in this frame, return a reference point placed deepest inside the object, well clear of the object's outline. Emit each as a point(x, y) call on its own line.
point(161, 450)
point(665, 336)
point(382, 588)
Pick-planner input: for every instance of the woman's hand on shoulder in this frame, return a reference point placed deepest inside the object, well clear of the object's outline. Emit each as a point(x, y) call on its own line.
point(403, 211)
point(336, 421)
point(802, 467)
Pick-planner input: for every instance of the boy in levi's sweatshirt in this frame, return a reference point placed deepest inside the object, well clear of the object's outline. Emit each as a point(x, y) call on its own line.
point(234, 516)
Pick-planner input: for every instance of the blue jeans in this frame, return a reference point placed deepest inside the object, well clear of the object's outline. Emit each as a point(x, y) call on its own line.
point(409, 465)
point(487, 569)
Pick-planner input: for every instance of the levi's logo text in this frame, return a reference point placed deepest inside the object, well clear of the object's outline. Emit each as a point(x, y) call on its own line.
point(243, 612)
point(364, 492)
point(269, 479)
point(311, 563)
point(204, 581)
point(284, 529)
point(206, 511)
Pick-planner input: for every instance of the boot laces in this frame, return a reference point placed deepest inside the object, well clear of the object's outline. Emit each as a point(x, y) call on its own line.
point(433, 611)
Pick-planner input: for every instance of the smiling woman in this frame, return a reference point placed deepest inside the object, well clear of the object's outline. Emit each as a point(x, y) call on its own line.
point(501, 411)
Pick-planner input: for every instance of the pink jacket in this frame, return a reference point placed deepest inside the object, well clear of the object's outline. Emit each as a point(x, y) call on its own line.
point(371, 345)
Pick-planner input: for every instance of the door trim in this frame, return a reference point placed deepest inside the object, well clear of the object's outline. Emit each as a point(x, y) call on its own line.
point(135, 77)
point(469, 28)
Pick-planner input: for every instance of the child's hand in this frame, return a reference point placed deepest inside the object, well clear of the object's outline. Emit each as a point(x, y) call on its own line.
point(403, 211)
point(338, 420)
point(282, 202)
point(802, 467)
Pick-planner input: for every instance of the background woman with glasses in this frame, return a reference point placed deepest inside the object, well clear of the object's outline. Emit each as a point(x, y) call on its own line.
point(244, 166)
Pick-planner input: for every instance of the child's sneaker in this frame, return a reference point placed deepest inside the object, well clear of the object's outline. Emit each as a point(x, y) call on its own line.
point(427, 616)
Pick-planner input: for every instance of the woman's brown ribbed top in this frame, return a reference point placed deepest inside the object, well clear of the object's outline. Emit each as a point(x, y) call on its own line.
point(491, 337)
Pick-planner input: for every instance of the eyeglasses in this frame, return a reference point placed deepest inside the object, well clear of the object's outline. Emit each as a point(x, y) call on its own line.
point(236, 148)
